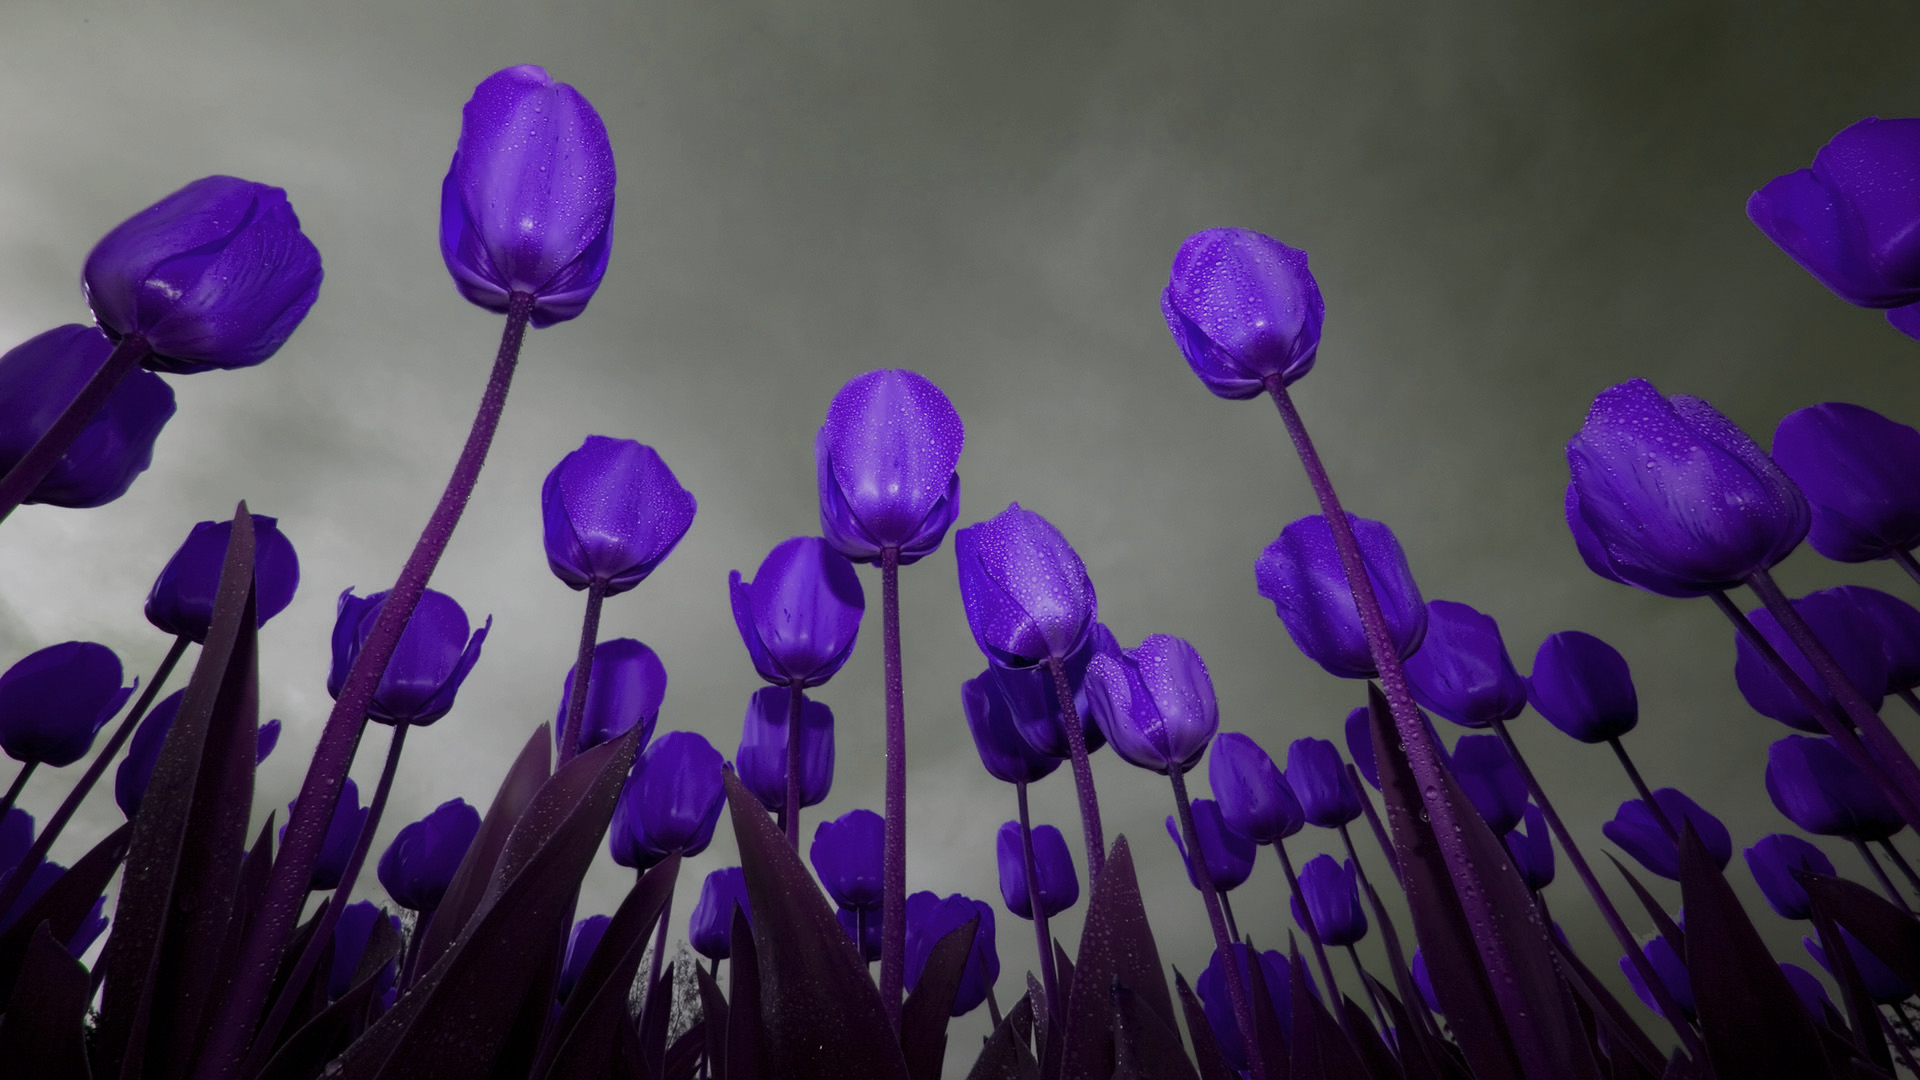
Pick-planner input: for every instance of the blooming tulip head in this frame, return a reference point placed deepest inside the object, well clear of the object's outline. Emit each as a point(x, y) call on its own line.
point(343, 831)
point(1318, 777)
point(1635, 831)
point(1359, 733)
point(612, 511)
point(762, 758)
point(710, 930)
point(1672, 971)
point(585, 938)
point(670, 803)
point(847, 853)
point(1849, 634)
point(1211, 987)
point(1883, 986)
point(1033, 699)
point(215, 275)
point(1243, 308)
point(1856, 469)
point(1487, 774)
point(624, 690)
point(1154, 703)
point(1851, 219)
point(419, 865)
point(1255, 799)
point(181, 600)
point(1677, 499)
point(54, 700)
point(1532, 850)
point(1227, 855)
point(1332, 890)
point(1463, 671)
point(930, 918)
point(40, 377)
point(1773, 860)
point(799, 617)
point(1053, 866)
point(527, 205)
point(1004, 752)
point(1582, 686)
point(1026, 592)
point(1899, 626)
point(432, 660)
point(885, 461)
point(143, 754)
point(1814, 784)
point(1301, 573)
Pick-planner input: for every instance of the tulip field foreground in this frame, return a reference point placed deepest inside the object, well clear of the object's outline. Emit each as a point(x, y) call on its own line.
point(215, 933)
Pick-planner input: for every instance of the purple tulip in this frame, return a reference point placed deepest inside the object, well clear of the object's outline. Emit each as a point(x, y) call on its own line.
point(42, 878)
point(710, 930)
point(1677, 499)
point(1359, 732)
point(800, 615)
point(1487, 774)
point(1255, 799)
point(1463, 671)
point(1848, 633)
point(930, 918)
point(1227, 854)
point(1034, 702)
point(612, 511)
point(343, 831)
point(863, 929)
point(885, 461)
point(1053, 865)
point(1275, 968)
point(1814, 784)
point(527, 205)
point(1582, 686)
point(419, 865)
point(1318, 777)
point(1809, 989)
point(1154, 703)
point(1773, 860)
point(40, 377)
point(624, 689)
point(1856, 469)
point(143, 753)
point(1899, 626)
point(585, 938)
point(1532, 850)
point(215, 275)
point(1883, 986)
point(1332, 889)
point(350, 937)
point(181, 600)
point(1300, 572)
point(1672, 971)
point(54, 700)
point(1634, 830)
point(846, 853)
point(264, 740)
point(762, 758)
point(1026, 592)
point(1004, 753)
point(670, 803)
point(1243, 308)
point(432, 660)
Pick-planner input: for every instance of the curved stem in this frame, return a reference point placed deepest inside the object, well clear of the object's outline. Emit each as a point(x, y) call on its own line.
point(893, 869)
point(791, 815)
point(18, 484)
point(13, 792)
point(582, 673)
point(1313, 936)
point(1043, 937)
point(1646, 794)
point(266, 937)
point(1906, 869)
point(1226, 909)
point(1090, 828)
point(1229, 956)
point(1905, 559)
point(1906, 695)
point(1880, 875)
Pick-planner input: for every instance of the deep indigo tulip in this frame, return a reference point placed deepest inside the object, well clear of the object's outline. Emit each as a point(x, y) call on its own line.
point(1300, 572)
point(1004, 753)
point(181, 600)
point(885, 460)
point(1582, 686)
point(1634, 830)
point(343, 831)
point(1034, 701)
point(1809, 989)
point(762, 758)
point(1492, 782)
point(432, 660)
point(624, 689)
point(143, 753)
point(612, 511)
point(1053, 865)
point(1899, 626)
point(1256, 800)
point(1532, 850)
point(1856, 469)
point(419, 865)
point(1677, 499)
point(710, 930)
point(350, 937)
point(863, 929)
point(1211, 988)
point(1883, 986)
point(1227, 854)
point(1332, 890)
point(527, 205)
point(40, 377)
point(1359, 732)
point(580, 946)
point(1026, 591)
point(1848, 633)
point(1463, 671)
point(1773, 859)
point(215, 275)
point(1154, 703)
point(1814, 784)
point(670, 803)
point(800, 615)
point(846, 853)
point(1672, 971)
point(54, 700)
point(1243, 308)
point(1850, 220)
point(930, 918)
point(1318, 776)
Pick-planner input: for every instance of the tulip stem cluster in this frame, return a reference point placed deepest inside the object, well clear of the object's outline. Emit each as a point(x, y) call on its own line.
point(582, 672)
point(893, 904)
point(27, 473)
point(1197, 867)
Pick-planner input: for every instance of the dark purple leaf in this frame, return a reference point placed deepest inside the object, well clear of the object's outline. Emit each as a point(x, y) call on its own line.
point(1423, 1057)
point(1320, 1048)
point(1886, 931)
point(255, 869)
point(1622, 1032)
point(1145, 1048)
point(64, 905)
point(746, 1032)
point(1268, 1032)
point(1662, 921)
point(43, 1033)
point(1206, 1051)
point(713, 1009)
point(653, 1022)
point(304, 1054)
point(1863, 1015)
point(1005, 1057)
point(1115, 943)
point(683, 1057)
point(923, 1020)
point(586, 1035)
point(633, 1059)
point(1371, 1048)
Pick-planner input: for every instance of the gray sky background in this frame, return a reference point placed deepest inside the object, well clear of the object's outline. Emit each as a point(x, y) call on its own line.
point(1509, 206)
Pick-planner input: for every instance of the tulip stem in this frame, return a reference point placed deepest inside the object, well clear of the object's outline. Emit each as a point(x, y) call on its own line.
point(1090, 826)
point(582, 673)
point(1229, 954)
point(1905, 559)
point(266, 936)
point(1646, 794)
point(1880, 875)
point(1899, 860)
point(1313, 937)
point(1373, 820)
point(13, 793)
point(1226, 910)
point(10, 889)
point(18, 484)
point(893, 867)
point(791, 814)
point(1389, 937)
point(1043, 937)
point(1906, 695)
point(1366, 984)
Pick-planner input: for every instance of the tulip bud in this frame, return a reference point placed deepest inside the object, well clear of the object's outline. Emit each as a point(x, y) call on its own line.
point(1255, 799)
point(1211, 987)
point(1813, 783)
point(1532, 850)
point(1025, 590)
point(420, 863)
point(1227, 855)
point(930, 918)
point(143, 754)
point(710, 930)
point(1463, 671)
point(1301, 573)
point(1332, 891)
point(585, 938)
point(40, 377)
point(182, 597)
point(1318, 778)
point(612, 512)
point(1883, 986)
point(624, 689)
point(1773, 860)
point(1848, 633)
point(670, 803)
point(1154, 703)
point(1003, 752)
point(1033, 701)
point(343, 832)
point(431, 661)
point(1243, 308)
point(54, 700)
point(1053, 865)
point(1487, 774)
point(1672, 971)
point(800, 616)
point(885, 461)
point(1856, 469)
point(350, 936)
point(1582, 686)
point(1899, 626)
point(761, 760)
point(847, 853)
point(1635, 831)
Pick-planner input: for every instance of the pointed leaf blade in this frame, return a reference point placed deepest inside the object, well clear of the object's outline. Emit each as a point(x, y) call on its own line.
point(923, 1020)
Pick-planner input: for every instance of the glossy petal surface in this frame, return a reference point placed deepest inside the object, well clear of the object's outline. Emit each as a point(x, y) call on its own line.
point(1850, 634)
point(761, 760)
point(181, 600)
point(1899, 626)
point(1301, 573)
point(1816, 787)
point(343, 831)
point(1154, 703)
point(1026, 592)
point(1583, 687)
point(1463, 671)
point(143, 753)
point(885, 462)
point(1333, 899)
point(1634, 831)
point(670, 803)
point(1255, 798)
point(1318, 776)
point(1004, 752)
point(1883, 986)
point(1228, 856)
point(53, 700)
point(432, 660)
point(612, 511)
point(1773, 860)
point(1857, 469)
point(625, 689)
point(1211, 987)
point(1672, 971)
point(710, 930)
point(1242, 306)
point(931, 917)
point(1853, 219)
point(40, 377)
point(1053, 865)
point(1033, 700)
point(800, 615)
point(420, 862)
point(1532, 850)
point(1359, 733)
point(847, 853)
point(580, 946)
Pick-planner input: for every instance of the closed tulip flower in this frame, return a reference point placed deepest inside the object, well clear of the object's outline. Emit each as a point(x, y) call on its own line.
point(710, 931)
point(671, 802)
point(1582, 686)
point(1532, 850)
point(143, 754)
point(1004, 753)
point(343, 831)
point(1227, 855)
point(1255, 799)
point(40, 377)
point(585, 938)
point(1211, 987)
point(800, 615)
point(1318, 777)
point(181, 600)
point(1301, 573)
point(612, 512)
point(432, 660)
point(885, 461)
point(419, 865)
point(350, 937)
point(1814, 784)
point(1026, 592)
point(624, 691)
point(1243, 308)
point(1635, 831)
point(1034, 702)
point(1486, 773)
point(762, 758)
point(1333, 899)
point(1463, 671)
point(1883, 986)
point(846, 853)
point(1856, 469)
point(1053, 865)
point(1773, 860)
point(1848, 633)
point(1899, 626)
point(54, 700)
point(1672, 971)
point(931, 917)
point(1154, 703)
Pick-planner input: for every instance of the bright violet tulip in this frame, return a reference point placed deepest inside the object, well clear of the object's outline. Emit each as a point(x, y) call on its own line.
point(931, 917)
point(1243, 308)
point(1532, 850)
point(40, 377)
point(1634, 830)
point(215, 275)
point(1004, 753)
point(1773, 860)
point(671, 802)
point(432, 660)
point(1492, 782)
point(1227, 854)
point(1052, 863)
point(54, 700)
point(1463, 671)
point(1359, 733)
point(527, 205)
point(1255, 798)
point(1211, 987)
point(800, 615)
point(612, 512)
point(1849, 633)
point(1814, 784)
point(885, 461)
point(1332, 889)
point(1033, 702)
point(710, 930)
point(1672, 971)
point(181, 600)
point(1582, 686)
point(1856, 469)
point(1899, 626)
point(343, 831)
point(846, 853)
point(1883, 986)
point(1677, 499)
point(1318, 777)
point(1300, 572)
point(143, 754)
point(350, 937)
point(1026, 591)
point(624, 690)
point(580, 946)
point(1154, 703)
point(419, 865)
point(762, 758)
